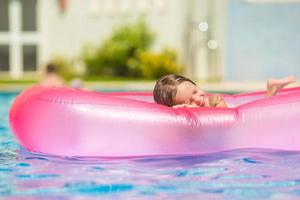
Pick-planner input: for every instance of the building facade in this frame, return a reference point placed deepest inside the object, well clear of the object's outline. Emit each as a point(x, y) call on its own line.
point(33, 31)
point(215, 40)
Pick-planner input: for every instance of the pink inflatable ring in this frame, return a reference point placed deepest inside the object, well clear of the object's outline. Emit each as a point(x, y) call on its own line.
point(67, 122)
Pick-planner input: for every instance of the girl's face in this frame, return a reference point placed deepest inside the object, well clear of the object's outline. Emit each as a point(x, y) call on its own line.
point(188, 93)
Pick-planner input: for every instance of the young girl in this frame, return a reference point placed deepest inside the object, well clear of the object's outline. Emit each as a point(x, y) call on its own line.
point(177, 91)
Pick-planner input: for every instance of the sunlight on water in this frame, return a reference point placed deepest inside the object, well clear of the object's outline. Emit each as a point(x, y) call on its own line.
point(238, 174)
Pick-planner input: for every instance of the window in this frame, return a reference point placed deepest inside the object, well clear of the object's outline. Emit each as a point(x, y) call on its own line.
point(29, 12)
point(29, 57)
point(4, 57)
point(19, 36)
point(4, 15)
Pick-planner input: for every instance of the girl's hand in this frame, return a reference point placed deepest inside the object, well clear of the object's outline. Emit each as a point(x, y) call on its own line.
point(217, 101)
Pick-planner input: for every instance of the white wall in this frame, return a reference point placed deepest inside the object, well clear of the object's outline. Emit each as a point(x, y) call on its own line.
point(68, 32)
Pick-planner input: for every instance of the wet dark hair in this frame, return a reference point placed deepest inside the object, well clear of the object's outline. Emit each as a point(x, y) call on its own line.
point(51, 68)
point(166, 88)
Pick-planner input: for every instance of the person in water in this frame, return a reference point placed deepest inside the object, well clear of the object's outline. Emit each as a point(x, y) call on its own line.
point(178, 91)
point(51, 77)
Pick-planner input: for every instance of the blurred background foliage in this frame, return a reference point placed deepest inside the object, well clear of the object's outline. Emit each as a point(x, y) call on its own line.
point(155, 65)
point(65, 68)
point(126, 53)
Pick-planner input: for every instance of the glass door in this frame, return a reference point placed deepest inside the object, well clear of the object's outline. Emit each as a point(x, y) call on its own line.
point(204, 39)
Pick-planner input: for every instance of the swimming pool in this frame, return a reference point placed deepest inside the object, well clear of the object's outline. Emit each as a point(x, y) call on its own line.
point(238, 174)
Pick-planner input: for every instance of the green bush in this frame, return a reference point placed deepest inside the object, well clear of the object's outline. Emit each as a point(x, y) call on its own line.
point(65, 67)
point(118, 55)
point(155, 65)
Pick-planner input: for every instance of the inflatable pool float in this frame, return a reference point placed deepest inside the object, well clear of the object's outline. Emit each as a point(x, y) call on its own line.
point(69, 122)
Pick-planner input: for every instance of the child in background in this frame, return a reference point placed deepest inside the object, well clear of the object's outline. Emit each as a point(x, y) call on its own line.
point(51, 77)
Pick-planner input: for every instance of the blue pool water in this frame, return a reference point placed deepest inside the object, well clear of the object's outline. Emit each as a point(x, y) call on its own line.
point(238, 174)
